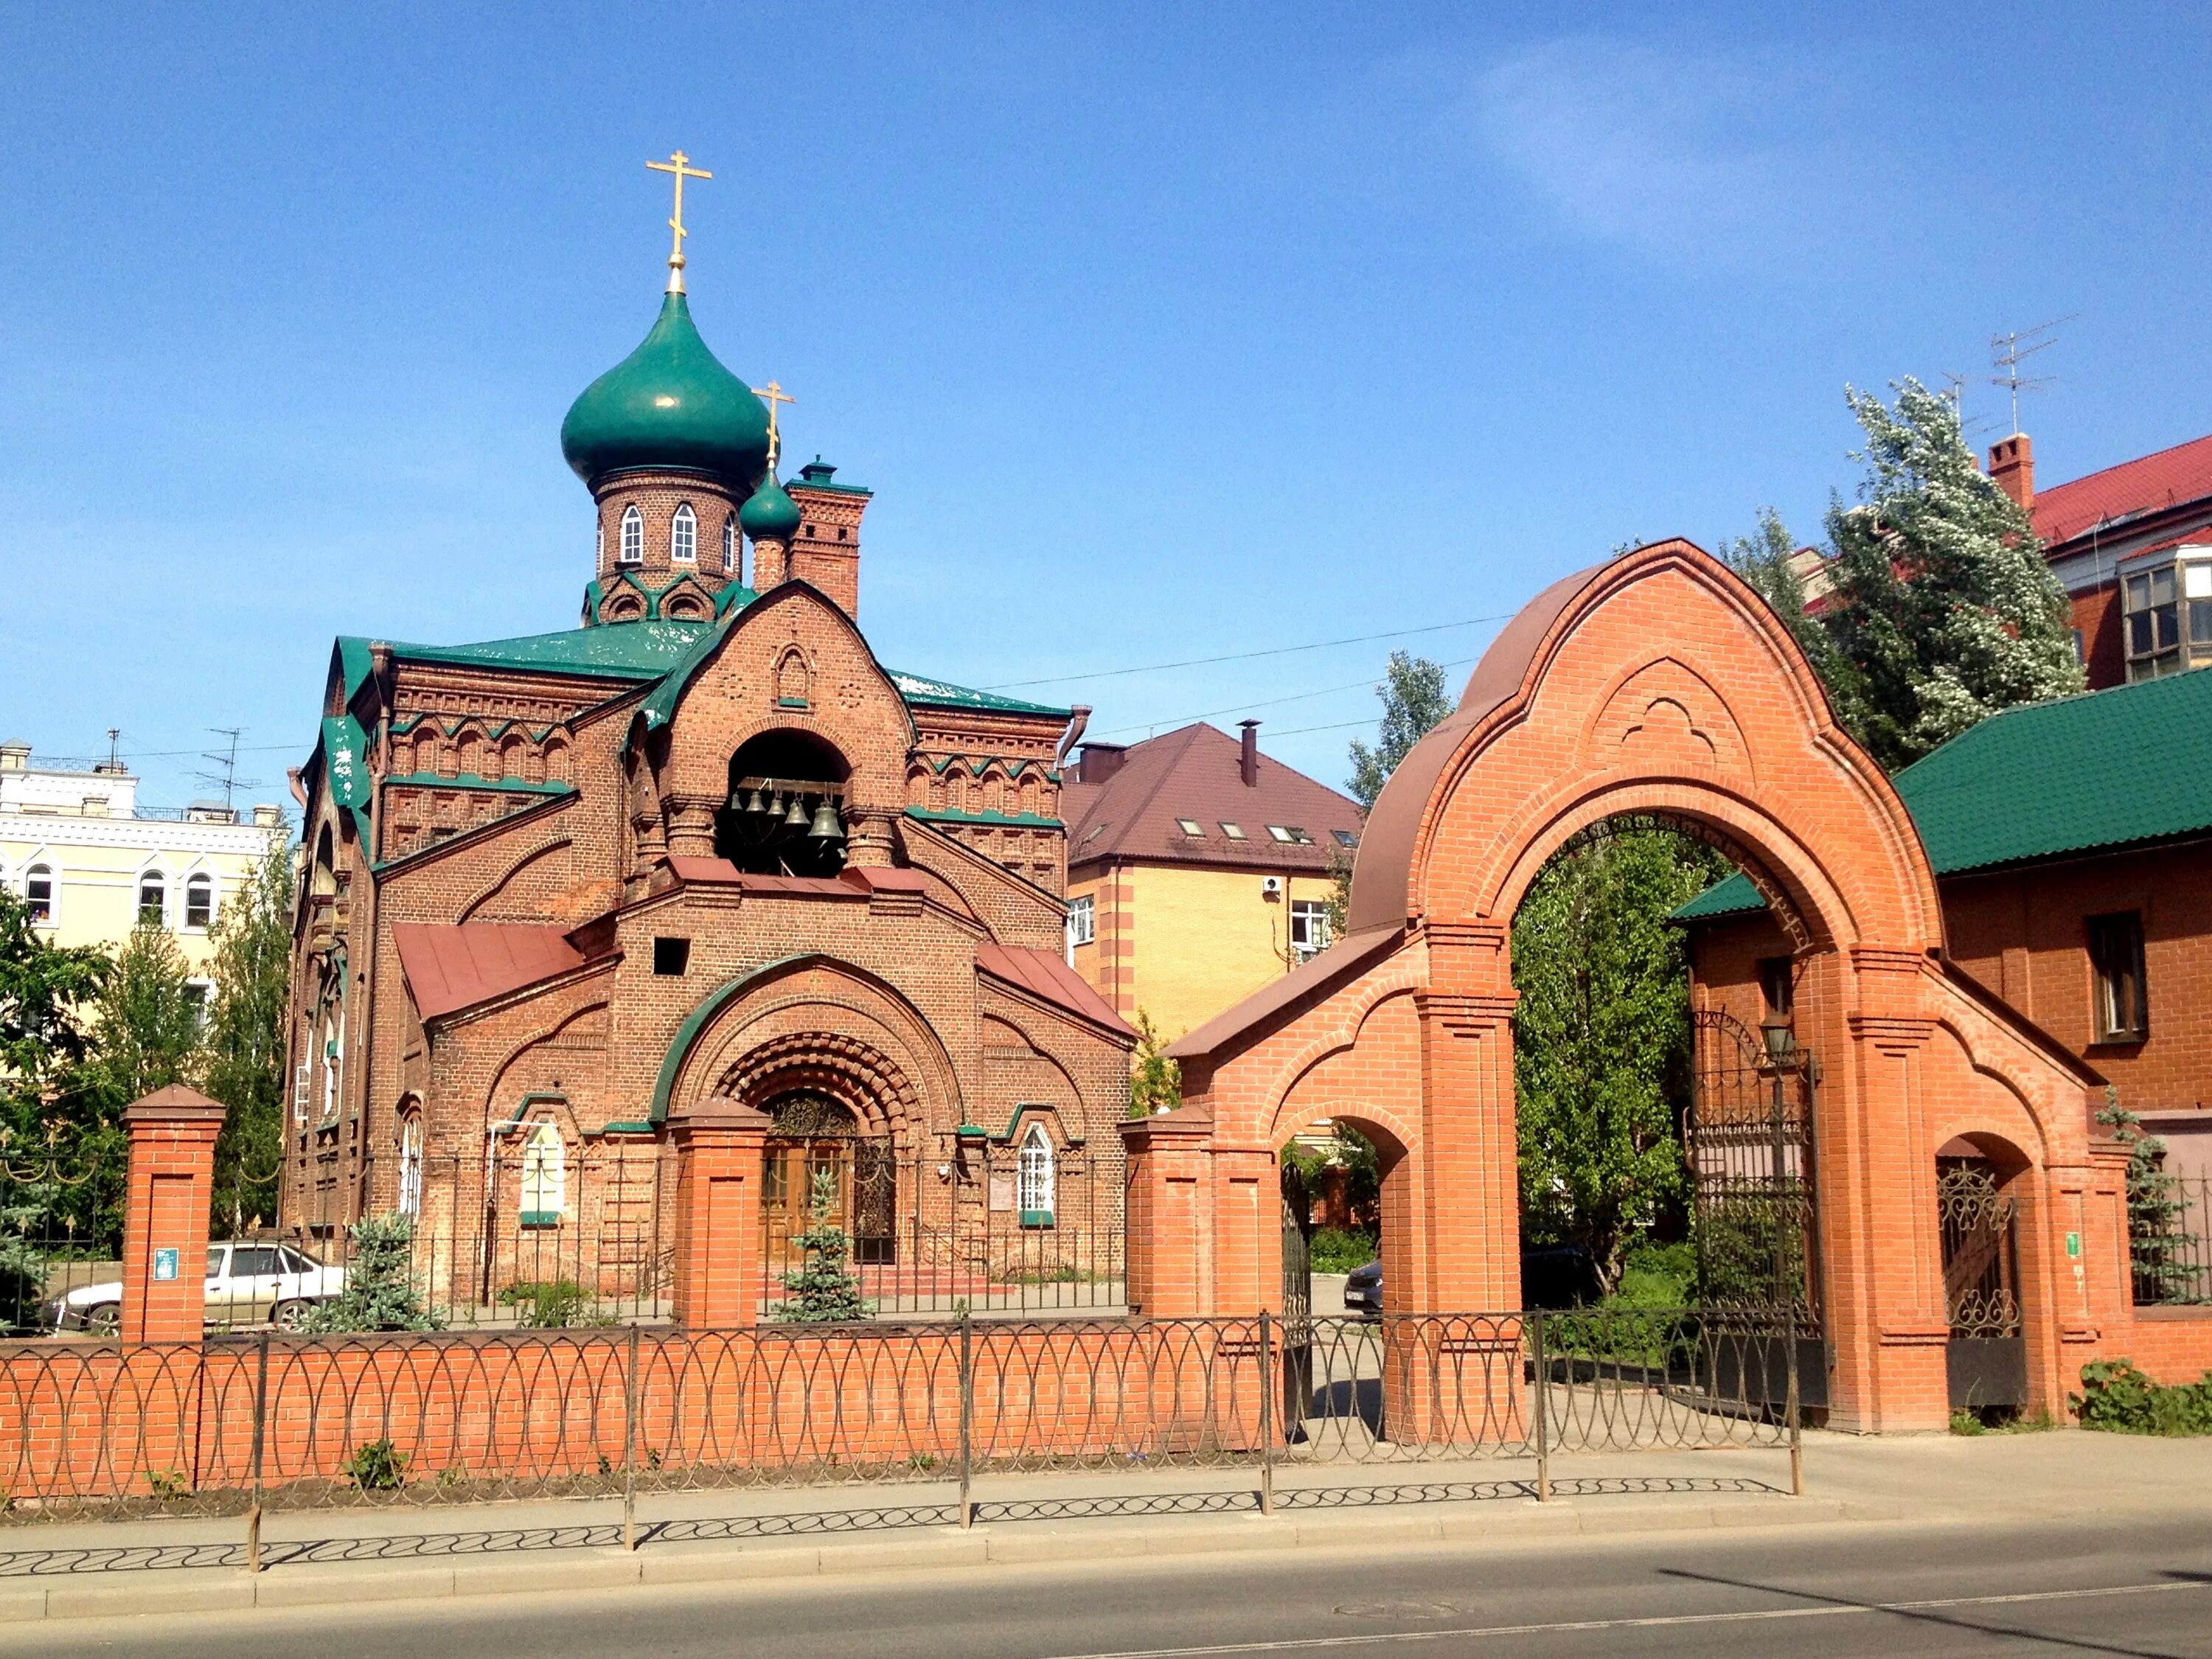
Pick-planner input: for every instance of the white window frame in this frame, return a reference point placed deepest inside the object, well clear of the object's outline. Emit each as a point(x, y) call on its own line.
point(159, 878)
point(43, 868)
point(203, 1003)
point(730, 545)
point(545, 1176)
point(683, 536)
point(1081, 920)
point(201, 878)
point(1035, 1178)
point(1233, 829)
point(633, 535)
point(1308, 927)
point(410, 1164)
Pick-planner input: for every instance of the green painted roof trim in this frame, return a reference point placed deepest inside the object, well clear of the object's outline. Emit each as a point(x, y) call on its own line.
point(687, 1033)
point(478, 780)
point(1008, 820)
point(345, 769)
point(2124, 767)
point(940, 694)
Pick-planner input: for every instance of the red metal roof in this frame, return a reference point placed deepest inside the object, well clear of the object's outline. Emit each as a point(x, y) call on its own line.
point(457, 966)
point(1195, 772)
point(1044, 974)
point(2149, 483)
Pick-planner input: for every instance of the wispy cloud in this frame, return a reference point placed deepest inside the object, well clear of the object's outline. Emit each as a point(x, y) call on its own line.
point(1701, 159)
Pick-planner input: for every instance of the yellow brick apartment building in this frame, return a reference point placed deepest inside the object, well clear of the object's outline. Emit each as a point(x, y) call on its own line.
point(1198, 871)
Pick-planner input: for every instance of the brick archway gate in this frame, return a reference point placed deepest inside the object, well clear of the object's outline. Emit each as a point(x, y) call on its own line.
point(1656, 685)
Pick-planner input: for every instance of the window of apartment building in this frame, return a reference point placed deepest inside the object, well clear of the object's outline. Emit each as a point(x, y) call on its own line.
point(1081, 920)
point(2168, 618)
point(39, 893)
point(1191, 827)
point(1234, 831)
point(2115, 961)
point(152, 900)
point(198, 993)
point(683, 536)
point(199, 902)
point(633, 536)
point(1308, 927)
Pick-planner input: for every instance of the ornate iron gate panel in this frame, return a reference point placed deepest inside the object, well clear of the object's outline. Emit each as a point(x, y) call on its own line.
point(1298, 1298)
point(1748, 1139)
point(1986, 1357)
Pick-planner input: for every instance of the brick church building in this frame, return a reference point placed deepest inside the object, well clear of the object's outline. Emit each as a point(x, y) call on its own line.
point(704, 847)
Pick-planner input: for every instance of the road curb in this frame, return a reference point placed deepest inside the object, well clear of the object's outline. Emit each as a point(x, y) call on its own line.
point(194, 1589)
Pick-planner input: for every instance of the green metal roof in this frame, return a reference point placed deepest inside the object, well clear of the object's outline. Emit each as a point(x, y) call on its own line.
point(914, 688)
point(2110, 768)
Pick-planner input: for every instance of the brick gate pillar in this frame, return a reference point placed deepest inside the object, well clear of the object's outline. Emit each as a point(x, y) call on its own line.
point(1168, 1215)
point(165, 1220)
point(719, 1146)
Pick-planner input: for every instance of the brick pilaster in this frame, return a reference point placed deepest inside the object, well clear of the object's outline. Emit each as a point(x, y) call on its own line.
point(172, 1181)
point(718, 1213)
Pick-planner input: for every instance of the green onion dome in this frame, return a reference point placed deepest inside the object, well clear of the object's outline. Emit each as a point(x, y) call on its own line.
point(769, 514)
point(669, 403)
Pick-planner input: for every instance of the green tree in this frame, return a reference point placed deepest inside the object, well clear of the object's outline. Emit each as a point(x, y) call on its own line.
point(1942, 610)
point(824, 1290)
point(1414, 701)
point(1155, 1080)
point(380, 1292)
point(244, 1043)
point(2160, 1249)
point(45, 991)
point(146, 1025)
point(1765, 560)
point(1602, 1039)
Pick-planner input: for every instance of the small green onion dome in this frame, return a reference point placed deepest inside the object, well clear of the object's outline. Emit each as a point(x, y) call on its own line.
point(669, 403)
point(769, 514)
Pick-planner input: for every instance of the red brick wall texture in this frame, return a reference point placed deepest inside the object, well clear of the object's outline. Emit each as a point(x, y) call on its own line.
point(1655, 684)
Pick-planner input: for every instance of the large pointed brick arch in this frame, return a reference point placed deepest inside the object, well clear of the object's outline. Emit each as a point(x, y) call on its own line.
point(1657, 685)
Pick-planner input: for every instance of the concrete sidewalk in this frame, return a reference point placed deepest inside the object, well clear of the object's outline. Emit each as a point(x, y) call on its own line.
point(332, 1557)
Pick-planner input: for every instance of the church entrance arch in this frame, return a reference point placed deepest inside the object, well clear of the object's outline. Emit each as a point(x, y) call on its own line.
point(820, 1164)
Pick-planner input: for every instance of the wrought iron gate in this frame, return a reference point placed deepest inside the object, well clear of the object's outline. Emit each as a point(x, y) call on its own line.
point(1986, 1357)
point(1748, 1139)
point(1297, 1297)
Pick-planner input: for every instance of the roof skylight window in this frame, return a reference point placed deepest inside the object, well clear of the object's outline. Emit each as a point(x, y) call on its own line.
point(1234, 831)
point(1190, 826)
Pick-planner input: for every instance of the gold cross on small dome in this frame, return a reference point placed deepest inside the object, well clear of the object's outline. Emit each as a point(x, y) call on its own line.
point(774, 394)
point(678, 164)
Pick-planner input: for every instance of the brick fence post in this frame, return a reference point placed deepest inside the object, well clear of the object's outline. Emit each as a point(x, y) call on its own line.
point(719, 1145)
point(165, 1225)
point(1170, 1215)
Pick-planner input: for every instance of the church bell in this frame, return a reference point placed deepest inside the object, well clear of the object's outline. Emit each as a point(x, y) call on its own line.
point(826, 827)
point(797, 817)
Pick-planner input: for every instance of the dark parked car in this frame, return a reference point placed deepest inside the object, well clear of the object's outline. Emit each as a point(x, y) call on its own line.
point(1560, 1276)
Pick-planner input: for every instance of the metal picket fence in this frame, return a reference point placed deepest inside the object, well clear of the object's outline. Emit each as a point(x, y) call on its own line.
point(241, 1425)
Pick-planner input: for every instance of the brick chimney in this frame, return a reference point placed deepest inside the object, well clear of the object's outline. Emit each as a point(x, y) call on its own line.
point(826, 551)
point(1097, 761)
point(2012, 469)
point(1248, 762)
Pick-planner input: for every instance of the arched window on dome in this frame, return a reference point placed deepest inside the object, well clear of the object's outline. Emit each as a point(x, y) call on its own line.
point(730, 545)
point(633, 536)
point(683, 536)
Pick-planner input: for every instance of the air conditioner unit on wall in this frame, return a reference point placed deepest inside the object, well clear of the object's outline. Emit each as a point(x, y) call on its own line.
point(1271, 887)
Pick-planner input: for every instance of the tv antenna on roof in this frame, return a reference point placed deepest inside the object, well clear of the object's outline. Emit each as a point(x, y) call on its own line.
point(225, 776)
point(2008, 351)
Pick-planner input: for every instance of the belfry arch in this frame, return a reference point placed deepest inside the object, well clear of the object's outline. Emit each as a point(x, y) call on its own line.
point(1655, 687)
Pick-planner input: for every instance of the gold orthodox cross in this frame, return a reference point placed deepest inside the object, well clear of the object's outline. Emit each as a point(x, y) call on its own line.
point(678, 164)
point(774, 394)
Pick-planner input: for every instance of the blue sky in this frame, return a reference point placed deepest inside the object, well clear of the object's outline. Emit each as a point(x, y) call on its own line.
point(1160, 332)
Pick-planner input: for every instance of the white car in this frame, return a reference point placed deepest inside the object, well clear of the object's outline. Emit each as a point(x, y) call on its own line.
point(246, 1284)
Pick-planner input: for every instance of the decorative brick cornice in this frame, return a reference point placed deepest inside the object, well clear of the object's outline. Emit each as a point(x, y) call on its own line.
point(1490, 936)
point(1892, 1034)
point(1465, 1016)
point(1887, 959)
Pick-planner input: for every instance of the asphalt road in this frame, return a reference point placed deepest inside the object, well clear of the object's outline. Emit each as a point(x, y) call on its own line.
point(2080, 1588)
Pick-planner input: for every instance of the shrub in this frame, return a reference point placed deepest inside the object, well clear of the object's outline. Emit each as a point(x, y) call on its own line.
point(376, 1466)
point(1337, 1250)
point(554, 1304)
point(380, 1292)
point(825, 1290)
point(2119, 1399)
